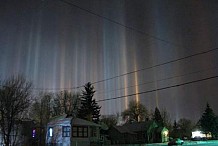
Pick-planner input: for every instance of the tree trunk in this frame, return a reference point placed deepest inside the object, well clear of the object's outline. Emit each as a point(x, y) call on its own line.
point(7, 142)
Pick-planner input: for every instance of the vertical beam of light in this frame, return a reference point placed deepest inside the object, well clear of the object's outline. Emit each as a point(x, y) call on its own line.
point(19, 55)
point(54, 67)
point(83, 52)
point(63, 57)
point(156, 87)
point(135, 65)
point(112, 67)
point(29, 49)
point(124, 68)
point(62, 61)
point(136, 81)
point(155, 30)
point(126, 92)
point(106, 64)
point(37, 48)
point(154, 58)
point(114, 63)
point(124, 57)
point(76, 64)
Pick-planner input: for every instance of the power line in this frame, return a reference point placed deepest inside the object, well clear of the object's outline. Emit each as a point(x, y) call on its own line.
point(158, 65)
point(120, 24)
point(99, 93)
point(128, 27)
point(164, 88)
point(177, 76)
point(55, 89)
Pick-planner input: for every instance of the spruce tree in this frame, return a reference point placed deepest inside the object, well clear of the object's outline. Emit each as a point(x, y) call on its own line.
point(208, 121)
point(158, 118)
point(89, 109)
point(175, 130)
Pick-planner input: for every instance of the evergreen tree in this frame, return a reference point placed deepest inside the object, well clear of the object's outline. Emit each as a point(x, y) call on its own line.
point(175, 130)
point(89, 109)
point(175, 125)
point(158, 118)
point(208, 121)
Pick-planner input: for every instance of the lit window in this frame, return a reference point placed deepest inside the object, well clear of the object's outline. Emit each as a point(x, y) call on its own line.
point(66, 131)
point(50, 132)
point(34, 133)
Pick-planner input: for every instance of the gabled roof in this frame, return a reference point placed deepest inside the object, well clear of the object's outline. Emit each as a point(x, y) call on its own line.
point(75, 121)
point(81, 122)
point(123, 129)
point(135, 127)
point(59, 119)
point(160, 129)
point(138, 126)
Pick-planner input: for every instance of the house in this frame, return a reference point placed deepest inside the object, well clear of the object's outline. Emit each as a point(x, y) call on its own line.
point(161, 134)
point(68, 131)
point(121, 135)
point(138, 133)
point(198, 135)
point(21, 134)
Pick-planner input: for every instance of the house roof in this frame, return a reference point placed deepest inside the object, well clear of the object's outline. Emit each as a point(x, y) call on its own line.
point(138, 126)
point(78, 121)
point(123, 129)
point(75, 121)
point(160, 129)
point(59, 119)
point(135, 127)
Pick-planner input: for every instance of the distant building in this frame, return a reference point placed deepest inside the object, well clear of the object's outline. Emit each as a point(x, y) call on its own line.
point(161, 134)
point(21, 134)
point(68, 131)
point(138, 133)
point(200, 135)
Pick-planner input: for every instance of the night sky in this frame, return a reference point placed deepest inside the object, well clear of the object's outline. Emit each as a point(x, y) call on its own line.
point(124, 47)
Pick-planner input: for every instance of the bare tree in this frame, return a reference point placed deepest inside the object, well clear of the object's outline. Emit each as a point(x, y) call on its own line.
point(110, 120)
point(66, 103)
point(41, 108)
point(185, 127)
point(15, 97)
point(135, 112)
point(41, 113)
point(166, 118)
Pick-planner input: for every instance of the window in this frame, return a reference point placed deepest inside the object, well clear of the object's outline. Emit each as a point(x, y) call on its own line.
point(34, 133)
point(94, 132)
point(85, 131)
point(66, 131)
point(80, 131)
point(50, 131)
point(74, 131)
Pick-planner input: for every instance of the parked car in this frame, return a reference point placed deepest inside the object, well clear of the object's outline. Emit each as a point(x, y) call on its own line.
point(176, 141)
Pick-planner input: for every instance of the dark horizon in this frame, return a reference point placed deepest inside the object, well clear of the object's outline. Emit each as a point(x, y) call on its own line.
point(123, 47)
